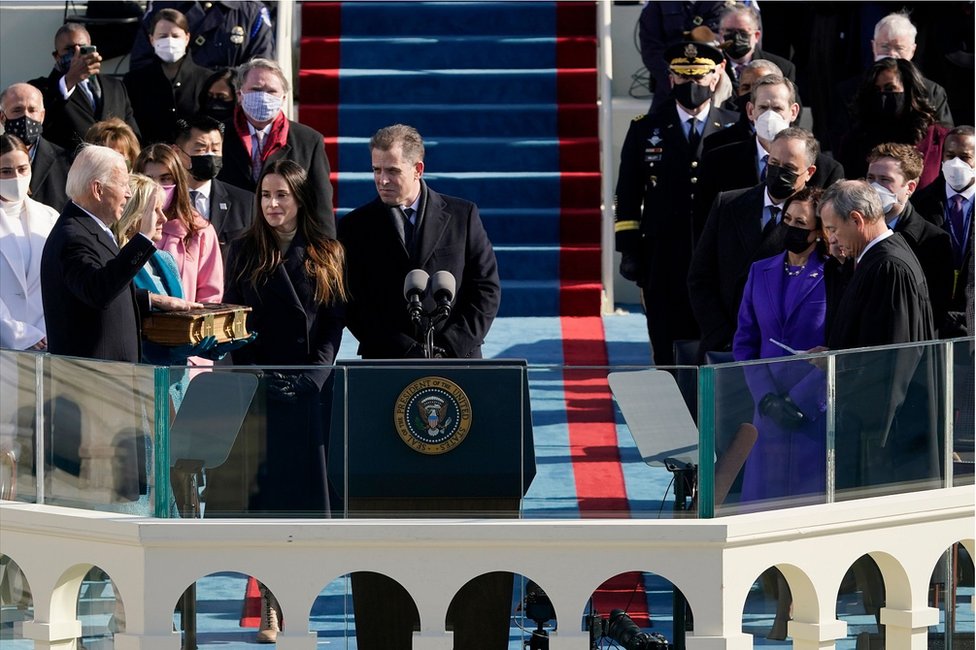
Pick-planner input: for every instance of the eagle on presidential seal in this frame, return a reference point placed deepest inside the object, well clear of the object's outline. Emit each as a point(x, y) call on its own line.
point(433, 415)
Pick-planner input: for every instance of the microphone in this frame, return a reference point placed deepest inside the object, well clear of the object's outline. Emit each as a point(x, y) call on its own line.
point(442, 287)
point(414, 289)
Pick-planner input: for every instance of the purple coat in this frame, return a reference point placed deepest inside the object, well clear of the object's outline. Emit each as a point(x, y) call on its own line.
point(784, 462)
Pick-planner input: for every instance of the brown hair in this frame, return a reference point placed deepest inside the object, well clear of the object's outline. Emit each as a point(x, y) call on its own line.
point(9, 142)
point(171, 15)
point(180, 208)
point(114, 131)
point(909, 158)
point(259, 253)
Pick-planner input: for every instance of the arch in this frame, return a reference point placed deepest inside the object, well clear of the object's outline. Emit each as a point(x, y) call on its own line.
point(384, 611)
point(233, 601)
point(15, 593)
point(793, 597)
point(647, 599)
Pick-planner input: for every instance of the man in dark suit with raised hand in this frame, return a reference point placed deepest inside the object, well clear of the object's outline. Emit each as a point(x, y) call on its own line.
point(656, 184)
point(199, 146)
point(259, 133)
point(410, 226)
point(91, 307)
point(22, 114)
point(76, 94)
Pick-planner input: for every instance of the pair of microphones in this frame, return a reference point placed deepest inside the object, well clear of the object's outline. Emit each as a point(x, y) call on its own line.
point(419, 284)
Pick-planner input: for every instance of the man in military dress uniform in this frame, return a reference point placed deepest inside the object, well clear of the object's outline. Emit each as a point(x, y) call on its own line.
point(659, 167)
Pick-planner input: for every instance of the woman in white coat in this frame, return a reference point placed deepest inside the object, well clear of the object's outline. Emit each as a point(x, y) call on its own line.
point(24, 227)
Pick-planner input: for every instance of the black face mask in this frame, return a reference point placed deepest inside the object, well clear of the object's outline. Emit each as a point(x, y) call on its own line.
point(25, 128)
point(219, 109)
point(890, 104)
point(741, 101)
point(64, 61)
point(740, 45)
point(205, 167)
point(796, 239)
point(691, 95)
point(780, 181)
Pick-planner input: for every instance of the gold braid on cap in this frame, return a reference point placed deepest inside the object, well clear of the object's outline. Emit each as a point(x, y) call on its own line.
point(690, 64)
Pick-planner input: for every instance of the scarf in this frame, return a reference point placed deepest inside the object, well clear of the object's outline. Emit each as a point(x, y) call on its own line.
point(275, 139)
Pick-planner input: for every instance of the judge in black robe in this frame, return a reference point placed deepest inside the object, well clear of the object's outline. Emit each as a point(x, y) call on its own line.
point(887, 430)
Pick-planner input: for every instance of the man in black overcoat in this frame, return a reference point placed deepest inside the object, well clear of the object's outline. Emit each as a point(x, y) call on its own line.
point(656, 183)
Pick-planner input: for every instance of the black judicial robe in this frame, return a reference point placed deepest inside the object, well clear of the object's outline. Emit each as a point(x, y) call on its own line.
point(887, 427)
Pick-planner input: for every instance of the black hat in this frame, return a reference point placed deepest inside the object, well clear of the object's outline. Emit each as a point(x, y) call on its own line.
point(692, 59)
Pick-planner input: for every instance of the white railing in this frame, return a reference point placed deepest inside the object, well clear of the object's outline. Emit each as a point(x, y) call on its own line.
point(713, 562)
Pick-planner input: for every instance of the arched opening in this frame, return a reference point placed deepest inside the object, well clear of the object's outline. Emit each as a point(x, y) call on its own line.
point(100, 610)
point(768, 609)
point(16, 601)
point(227, 607)
point(636, 610)
point(951, 592)
point(860, 598)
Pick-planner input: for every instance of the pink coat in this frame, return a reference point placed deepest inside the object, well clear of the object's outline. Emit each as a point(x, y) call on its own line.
point(201, 267)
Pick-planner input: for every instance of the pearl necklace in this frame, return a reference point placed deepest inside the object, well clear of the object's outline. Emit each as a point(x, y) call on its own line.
point(793, 274)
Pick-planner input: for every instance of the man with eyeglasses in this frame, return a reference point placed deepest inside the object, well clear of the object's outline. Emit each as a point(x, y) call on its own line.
point(894, 36)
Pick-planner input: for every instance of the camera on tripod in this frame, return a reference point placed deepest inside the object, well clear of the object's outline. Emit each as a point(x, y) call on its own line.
point(539, 609)
point(621, 629)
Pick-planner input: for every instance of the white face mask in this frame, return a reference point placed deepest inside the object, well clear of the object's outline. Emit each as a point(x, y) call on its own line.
point(769, 124)
point(14, 189)
point(170, 49)
point(888, 198)
point(958, 174)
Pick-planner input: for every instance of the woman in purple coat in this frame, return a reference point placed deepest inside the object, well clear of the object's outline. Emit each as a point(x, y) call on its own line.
point(784, 306)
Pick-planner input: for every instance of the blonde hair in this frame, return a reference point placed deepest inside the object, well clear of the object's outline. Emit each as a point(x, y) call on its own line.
point(144, 192)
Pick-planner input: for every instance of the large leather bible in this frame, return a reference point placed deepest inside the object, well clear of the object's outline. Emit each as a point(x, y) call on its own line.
point(222, 321)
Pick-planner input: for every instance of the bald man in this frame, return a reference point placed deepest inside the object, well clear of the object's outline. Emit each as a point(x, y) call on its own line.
point(22, 114)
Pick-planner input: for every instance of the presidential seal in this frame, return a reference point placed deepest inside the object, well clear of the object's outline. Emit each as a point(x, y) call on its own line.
point(432, 415)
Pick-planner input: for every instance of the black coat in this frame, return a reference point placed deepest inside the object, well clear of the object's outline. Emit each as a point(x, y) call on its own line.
point(735, 166)
point(656, 183)
point(785, 65)
point(90, 304)
point(231, 212)
point(731, 241)
point(67, 120)
point(158, 102)
point(49, 173)
point(933, 249)
point(292, 330)
point(305, 146)
point(451, 238)
point(931, 203)
point(887, 409)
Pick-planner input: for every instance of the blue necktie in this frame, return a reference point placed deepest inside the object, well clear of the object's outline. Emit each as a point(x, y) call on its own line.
point(408, 227)
point(957, 225)
point(762, 168)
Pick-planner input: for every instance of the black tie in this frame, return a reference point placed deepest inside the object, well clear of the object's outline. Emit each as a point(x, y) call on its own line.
point(693, 136)
point(765, 164)
point(408, 227)
point(773, 220)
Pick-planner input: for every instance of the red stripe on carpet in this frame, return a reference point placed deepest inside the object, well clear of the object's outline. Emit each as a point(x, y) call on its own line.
point(326, 17)
point(594, 451)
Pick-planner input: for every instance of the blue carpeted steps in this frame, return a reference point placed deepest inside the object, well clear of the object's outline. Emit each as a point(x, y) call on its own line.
point(504, 94)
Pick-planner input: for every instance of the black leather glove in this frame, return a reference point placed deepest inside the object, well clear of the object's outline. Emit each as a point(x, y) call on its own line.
point(631, 267)
point(288, 388)
point(781, 410)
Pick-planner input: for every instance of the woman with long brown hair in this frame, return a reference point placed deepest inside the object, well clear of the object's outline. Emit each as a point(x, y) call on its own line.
point(188, 237)
point(290, 272)
point(291, 275)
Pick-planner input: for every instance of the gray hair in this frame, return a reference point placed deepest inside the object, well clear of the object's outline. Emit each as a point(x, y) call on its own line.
point(960, 131)
point(848, 196)
point(773, 80)
point(896, 24)
point(809, 141)
point(750, 12)
point(764, 65)
point(402, 134)
point(93, 163)
point(267, 64)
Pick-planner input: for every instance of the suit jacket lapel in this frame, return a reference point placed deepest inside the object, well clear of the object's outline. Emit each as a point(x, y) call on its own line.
point(435, 221)
point(96, 231)
point(218, 205)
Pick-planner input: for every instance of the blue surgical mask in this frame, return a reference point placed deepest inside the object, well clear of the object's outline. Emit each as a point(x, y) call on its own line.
point(65, 61)
point(260, 106)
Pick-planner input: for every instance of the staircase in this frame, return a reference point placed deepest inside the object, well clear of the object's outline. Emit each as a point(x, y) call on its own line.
point(504, 94)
